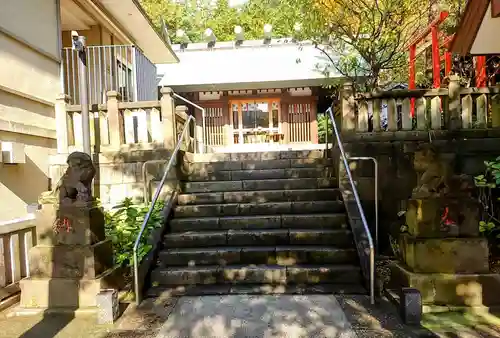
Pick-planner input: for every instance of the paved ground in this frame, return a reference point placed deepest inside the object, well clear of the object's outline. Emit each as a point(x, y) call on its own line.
point(257, 316)
point(253, 316)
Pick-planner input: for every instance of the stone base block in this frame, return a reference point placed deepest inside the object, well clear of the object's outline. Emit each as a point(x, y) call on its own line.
point(449, 289)
point(59, 293)
point(70, 225)
point(65, 261)
point(424, 217)
point(445, 255)
point(63, 294)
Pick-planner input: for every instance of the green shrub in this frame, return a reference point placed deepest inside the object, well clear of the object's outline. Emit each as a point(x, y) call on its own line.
point(123, 224)
point(489, 197)
point(324, 124)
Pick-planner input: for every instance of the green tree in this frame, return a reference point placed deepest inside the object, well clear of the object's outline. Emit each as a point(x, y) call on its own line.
point(370, 36)
point(194, 17)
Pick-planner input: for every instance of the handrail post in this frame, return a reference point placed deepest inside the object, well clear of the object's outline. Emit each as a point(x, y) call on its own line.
point(348, 108)
point(115, 120)
point(168, 117)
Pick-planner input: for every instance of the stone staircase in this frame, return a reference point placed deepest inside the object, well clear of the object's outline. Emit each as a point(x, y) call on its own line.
point(258, 223)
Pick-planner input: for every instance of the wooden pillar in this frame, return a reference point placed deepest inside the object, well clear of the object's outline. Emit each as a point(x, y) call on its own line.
point(313, 117)
point(115, 120)
point(348, 108)
point(228, 127)
point(168, 117)
point(284, 122)
point(62, 123)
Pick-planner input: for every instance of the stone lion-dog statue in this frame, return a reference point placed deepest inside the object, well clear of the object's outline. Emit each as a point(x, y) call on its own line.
point(76, 183)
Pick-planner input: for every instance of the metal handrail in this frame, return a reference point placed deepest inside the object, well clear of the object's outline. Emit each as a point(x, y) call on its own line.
point(360, 208)
point(169, 166)
point(375, 164)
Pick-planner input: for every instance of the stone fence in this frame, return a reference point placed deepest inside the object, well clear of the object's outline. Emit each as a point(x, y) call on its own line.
point(17, 237)
point(116, 123)
point(452, 108)
point(462, 123)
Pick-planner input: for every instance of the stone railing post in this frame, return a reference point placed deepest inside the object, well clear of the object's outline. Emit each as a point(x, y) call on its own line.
point(167, 105)
point(62, 123)
point(115, 123)
point(181, 111)
point(348, 108)
point(454, 120)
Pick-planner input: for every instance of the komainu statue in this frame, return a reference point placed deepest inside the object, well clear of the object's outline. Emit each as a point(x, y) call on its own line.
point(76, 183)
point(433, 173)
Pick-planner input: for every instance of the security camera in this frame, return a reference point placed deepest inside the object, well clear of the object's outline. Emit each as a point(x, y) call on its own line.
point(78, 41)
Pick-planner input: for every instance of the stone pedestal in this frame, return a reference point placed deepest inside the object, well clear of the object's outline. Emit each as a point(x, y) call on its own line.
point(443, 256)
point(72, 260)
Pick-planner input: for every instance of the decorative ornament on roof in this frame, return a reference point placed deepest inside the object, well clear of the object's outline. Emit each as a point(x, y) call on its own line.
point(268, 33)
point(210, 37)
point(239, 35)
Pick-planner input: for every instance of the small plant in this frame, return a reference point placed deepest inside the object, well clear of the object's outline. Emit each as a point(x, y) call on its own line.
point(123, 224)
point(325, 129)
point(488, 184)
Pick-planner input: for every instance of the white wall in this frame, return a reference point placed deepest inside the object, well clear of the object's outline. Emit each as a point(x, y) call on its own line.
point(29, 85)
point(487, 41)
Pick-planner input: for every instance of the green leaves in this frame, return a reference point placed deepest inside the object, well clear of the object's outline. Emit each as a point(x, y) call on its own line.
point(491, 178)
point(194, 17)
point(123, 224)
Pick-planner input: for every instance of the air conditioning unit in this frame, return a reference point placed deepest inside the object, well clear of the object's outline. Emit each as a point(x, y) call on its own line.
point(12, 153)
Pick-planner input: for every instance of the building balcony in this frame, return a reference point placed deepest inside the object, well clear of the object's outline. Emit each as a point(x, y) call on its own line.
point(121, 68)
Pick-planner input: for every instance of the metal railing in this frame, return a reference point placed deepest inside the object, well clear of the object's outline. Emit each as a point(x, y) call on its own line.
point(168, 168)
point(371, 248)
point(122, 68)
point(375, 165)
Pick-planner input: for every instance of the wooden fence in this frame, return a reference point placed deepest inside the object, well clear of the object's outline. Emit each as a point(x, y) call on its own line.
point(449, 108)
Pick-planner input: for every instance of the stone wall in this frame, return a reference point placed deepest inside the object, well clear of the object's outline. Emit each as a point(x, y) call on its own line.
point(120, 174)
point(394, 152)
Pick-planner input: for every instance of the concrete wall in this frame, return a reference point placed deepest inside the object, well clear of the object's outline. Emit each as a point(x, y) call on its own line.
point(396, 175)
point(29, 85)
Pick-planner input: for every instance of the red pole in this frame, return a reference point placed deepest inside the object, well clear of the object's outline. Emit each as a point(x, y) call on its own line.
point(480, 71)
point(447, 63)
point(436, 67)
point(413, 52)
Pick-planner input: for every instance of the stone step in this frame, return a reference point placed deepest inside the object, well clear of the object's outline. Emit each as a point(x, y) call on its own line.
point(253, 185)
point(210, 167)
point(306, 221)
point(254, 289)
point(249, 209)
point(274, 255)
point(259, 156)
point(260, 174)
point(261, 196)
point(192, 239)
point(258, 274)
